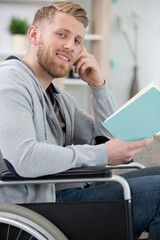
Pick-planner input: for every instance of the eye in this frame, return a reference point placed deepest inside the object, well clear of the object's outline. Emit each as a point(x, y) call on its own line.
point(77, 42)
point(61, 34)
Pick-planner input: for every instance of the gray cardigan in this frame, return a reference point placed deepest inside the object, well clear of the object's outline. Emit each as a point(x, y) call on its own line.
point(31, 138)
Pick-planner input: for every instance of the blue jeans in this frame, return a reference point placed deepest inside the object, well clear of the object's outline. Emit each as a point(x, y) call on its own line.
point(145, 191)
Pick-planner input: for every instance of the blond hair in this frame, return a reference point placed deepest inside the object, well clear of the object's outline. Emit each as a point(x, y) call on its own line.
point(46, 14)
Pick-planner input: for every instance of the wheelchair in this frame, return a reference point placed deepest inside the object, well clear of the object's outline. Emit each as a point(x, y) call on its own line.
point(103, 220)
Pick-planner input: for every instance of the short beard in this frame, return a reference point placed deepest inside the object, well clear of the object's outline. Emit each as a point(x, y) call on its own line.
point(47, 62)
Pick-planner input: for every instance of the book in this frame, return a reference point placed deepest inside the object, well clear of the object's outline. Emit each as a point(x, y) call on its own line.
point(139, 118)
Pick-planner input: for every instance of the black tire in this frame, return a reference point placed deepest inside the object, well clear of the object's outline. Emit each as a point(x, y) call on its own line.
point(19, 221)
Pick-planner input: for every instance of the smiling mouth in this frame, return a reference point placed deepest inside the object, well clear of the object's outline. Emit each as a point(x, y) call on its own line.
point(63, 57)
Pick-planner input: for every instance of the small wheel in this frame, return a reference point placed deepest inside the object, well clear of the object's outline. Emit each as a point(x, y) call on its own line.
point(19, 223)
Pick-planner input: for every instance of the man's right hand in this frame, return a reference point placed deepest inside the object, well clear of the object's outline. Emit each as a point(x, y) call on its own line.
point(120, 152)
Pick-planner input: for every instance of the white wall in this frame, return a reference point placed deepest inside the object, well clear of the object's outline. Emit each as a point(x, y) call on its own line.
point(7, 10)
point(148, 46)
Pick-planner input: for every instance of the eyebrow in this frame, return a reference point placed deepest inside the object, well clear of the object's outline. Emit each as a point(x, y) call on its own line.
point(68, 31)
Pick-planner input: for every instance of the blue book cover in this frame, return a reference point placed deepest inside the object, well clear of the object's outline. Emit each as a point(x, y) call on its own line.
point(139, 118)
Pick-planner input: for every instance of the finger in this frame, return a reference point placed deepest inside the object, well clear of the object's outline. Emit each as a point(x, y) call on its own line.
point(138, 150)
point(83, 49)
point(87, 55)
point(149, 140)
point(89, 60)
point(142, 143)
point(83, 68)
point(86, 65)
point(80, 62)
point(82, 52)
point(146, 141)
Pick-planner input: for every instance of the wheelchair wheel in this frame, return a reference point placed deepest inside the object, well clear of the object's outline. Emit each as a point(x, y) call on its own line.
point(17, 222)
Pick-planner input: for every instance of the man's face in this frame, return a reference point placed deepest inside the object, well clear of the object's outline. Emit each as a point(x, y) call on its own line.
point(59, 44)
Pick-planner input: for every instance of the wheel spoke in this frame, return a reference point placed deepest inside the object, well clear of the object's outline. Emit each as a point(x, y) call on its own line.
point(31, 237)
point(19, 234)
point(8, 231)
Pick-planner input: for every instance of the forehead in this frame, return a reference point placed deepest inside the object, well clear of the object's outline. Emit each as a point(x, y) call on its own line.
point(68, 22)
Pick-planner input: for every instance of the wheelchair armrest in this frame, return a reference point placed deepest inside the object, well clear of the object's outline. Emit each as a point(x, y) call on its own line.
point(127, 166)
point(86, 172)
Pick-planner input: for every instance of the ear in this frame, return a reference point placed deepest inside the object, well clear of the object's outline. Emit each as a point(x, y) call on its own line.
point(32, 35)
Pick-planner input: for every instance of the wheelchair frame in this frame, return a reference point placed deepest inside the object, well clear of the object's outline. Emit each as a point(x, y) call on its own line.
point(90, 174)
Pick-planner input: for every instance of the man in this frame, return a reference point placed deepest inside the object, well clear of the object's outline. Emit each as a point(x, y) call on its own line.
point(44, 132)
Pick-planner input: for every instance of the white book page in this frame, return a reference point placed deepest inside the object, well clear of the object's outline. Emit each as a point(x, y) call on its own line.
point(149, 86)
